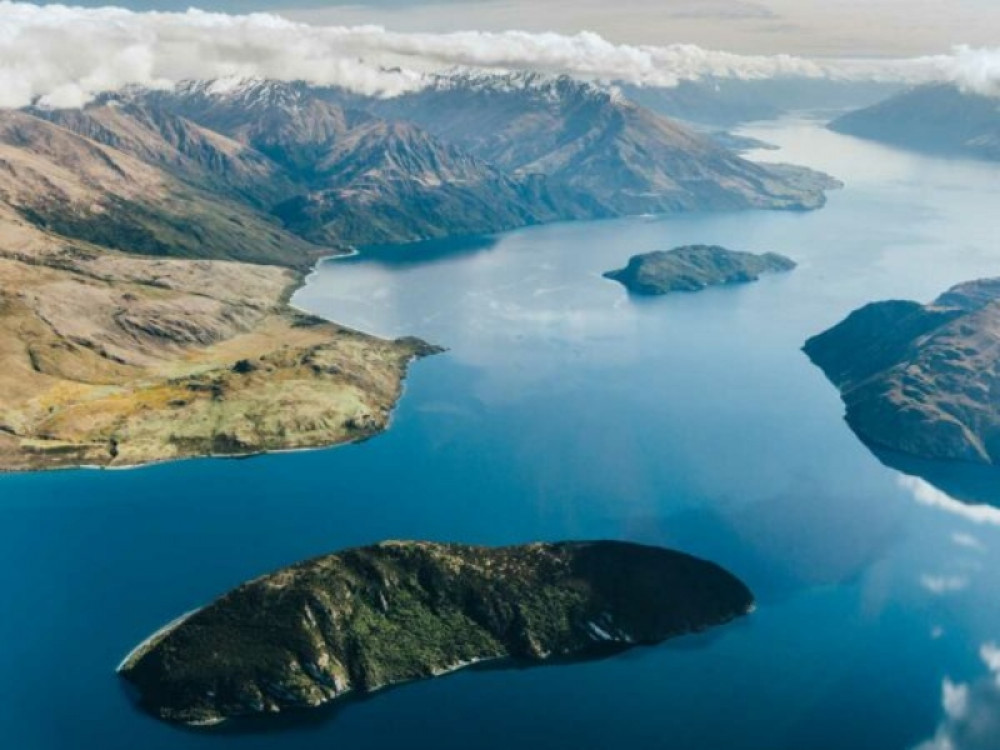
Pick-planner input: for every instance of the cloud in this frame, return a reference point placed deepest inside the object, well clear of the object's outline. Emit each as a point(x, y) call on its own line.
point(975, 70)
point(940, 585)
point(929, 495)
point(968, 541)
point(64, 55)
point(971, 711)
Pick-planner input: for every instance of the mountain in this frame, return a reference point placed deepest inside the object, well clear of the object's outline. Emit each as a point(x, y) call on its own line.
point(361, 179)
point(149, 242)
point(727, 102)
point(72, 185)
point(364, 619)
point(939, 118)
point(594, 144)
point(393, 183)
point(695, 267)
point(921, 379)
point(286, 122)
point(191, 153)
point(128, 335)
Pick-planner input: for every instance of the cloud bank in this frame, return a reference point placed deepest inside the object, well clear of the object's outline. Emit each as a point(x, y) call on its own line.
point(63, 56)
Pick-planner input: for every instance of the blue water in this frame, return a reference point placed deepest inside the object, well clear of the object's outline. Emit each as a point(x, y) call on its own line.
point(565, 409)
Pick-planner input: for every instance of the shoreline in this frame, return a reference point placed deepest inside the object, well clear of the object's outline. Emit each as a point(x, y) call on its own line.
point(298, 282)
point(155, 638)
point(220, 456)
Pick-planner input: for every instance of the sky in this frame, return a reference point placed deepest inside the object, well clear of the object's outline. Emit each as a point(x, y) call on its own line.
point(817, 28)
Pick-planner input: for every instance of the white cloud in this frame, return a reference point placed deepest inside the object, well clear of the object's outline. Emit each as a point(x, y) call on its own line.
point(990, 654)
point(976, 70)
point(927, 494)
point(940, 585)
point(65, 55)
point(971, 711)
point(968, 541)
point(954, 699)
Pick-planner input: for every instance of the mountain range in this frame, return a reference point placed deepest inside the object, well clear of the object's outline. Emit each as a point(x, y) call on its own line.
point(468, 154)
point(938, 118)
point(726, 102)
point(149, 243)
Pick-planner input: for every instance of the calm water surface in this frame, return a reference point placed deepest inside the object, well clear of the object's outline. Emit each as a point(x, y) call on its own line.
point(564, 409)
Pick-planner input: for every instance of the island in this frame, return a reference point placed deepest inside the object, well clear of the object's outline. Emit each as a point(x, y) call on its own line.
point(692, 268)
point(359, 620)
point(921, 380)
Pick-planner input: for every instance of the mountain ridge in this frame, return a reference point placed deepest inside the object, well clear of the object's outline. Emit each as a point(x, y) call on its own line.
point(935, 118)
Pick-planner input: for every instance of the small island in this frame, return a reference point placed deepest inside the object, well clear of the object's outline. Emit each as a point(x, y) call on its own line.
point(921, 380)
point(367, 618)
point(695, 267)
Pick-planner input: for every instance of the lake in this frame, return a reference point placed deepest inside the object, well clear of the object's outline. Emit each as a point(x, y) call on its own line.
point(565, 409)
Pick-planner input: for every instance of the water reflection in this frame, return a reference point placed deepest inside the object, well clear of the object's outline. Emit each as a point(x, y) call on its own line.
point(973, 484)
point(789, 543)
point(423, 253)
point(970, 710)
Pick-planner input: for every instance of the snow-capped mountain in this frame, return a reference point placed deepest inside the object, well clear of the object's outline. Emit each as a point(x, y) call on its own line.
point(593, 141)
point(470, 153)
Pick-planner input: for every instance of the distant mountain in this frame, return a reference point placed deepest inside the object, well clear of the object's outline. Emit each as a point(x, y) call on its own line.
point(593, 142)
point(470, 154)
point(285, 121)
point(726, 102)
point(392, 182)
point(938, 118)
point(361, 179)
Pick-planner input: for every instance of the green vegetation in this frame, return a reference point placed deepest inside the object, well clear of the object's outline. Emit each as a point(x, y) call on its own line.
point(399, 611)
point(693, 268)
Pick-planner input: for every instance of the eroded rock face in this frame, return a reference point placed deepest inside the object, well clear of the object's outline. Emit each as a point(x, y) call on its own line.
point(921, 379)
point(365, 618)
point(694, 267)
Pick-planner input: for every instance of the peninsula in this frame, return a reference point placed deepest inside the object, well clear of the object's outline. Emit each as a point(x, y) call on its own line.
point(921, 379)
